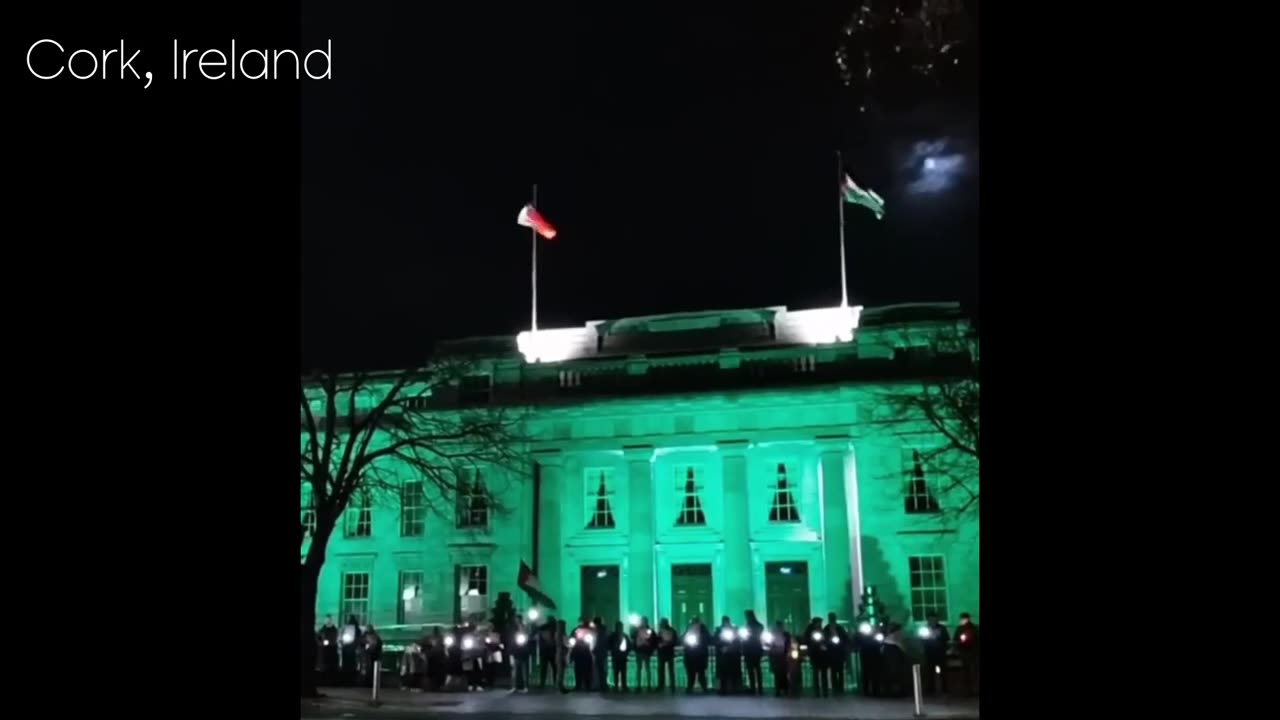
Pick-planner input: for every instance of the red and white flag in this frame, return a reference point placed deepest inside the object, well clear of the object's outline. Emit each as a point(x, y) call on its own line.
point(530, 218)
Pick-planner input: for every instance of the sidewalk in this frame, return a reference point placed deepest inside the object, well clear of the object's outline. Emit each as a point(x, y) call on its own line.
point(499, 702)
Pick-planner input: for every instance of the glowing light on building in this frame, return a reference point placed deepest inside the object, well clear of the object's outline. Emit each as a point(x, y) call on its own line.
point(823, 326)
point(555, 345)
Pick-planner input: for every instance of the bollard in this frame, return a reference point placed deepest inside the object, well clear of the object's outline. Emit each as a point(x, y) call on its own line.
point(377, 681)
point(915, 680)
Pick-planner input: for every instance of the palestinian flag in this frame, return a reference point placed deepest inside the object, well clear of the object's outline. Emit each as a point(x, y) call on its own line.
point(529, 583)
point(530, 218)
point(868, 199)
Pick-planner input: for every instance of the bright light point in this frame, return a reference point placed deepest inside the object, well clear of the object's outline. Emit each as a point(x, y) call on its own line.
point(785, 570)
point(474, 592)
point(963, 637)
point(448, 641)
point(602, 573)
point(726, 635)
point(862, 108)
point(634, 619)
point(408, 594)
point(823, 326)
point(817, 636)
point(591, 639)
point(691, 640)
point(937, 669)
point(767, 637)
point(554, 345)
point(573, 641)
point(623, 646)
point(744, 633)
point(533, 613)
point(925, 632)
point(879, 637)
point(348, 635)
point(468, 643)
point(865, 628)
point(521, 638)
point(795, 654)
point(929, 163)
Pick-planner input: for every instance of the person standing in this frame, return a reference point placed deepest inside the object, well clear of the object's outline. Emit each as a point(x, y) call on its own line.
point(817, 643)
point(562, 653)
point(521, 645)
point(697, 653)
point(837, 654)
point(547, 653)
point(869, 660)
point(351, 641)
point(373, 655)
point(580, 653)
point(779, 646)
point(645, 642)
point(752, 652)
point(619, 647)
point(666, 655)
point(967, 645)
point(935, 639)
point(328, 637)
point(599, 654)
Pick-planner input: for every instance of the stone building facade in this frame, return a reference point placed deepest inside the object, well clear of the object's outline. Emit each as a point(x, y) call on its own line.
point(692, 464)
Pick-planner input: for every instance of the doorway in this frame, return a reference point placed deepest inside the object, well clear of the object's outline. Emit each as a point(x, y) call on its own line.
point(787, 594)
point(601, 593)
point(691, 594)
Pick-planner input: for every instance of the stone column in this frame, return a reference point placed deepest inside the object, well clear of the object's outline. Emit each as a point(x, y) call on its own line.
point(738, 593)
point(641, 594)
point(838, 537)
point(550, 543)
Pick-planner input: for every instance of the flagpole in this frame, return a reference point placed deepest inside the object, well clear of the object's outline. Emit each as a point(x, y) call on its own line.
point(533, 232)
point(844, 281)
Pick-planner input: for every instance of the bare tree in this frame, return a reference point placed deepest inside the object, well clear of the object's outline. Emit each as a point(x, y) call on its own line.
point(364, 434)
point(944, 403)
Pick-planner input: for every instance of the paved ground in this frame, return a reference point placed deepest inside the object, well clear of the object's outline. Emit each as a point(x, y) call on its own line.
point(351, 703)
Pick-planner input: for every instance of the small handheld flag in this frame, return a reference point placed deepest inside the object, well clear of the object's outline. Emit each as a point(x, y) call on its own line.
point(530, 218)
point(528, 582)
point(868, 199)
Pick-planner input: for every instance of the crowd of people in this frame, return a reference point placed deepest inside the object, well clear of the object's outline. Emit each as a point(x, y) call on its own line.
point(477, 655)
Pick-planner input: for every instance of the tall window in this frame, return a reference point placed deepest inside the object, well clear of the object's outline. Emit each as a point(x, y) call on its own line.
point(920, 496)
point(690, 504)
point(473, 504)
point(413, 509)
point(783, 509)
point(599, 483)
point(358, 521)
point(355, 597)
point(410, 608)
point(309, 510)
point(473, 589)
point(928, 587)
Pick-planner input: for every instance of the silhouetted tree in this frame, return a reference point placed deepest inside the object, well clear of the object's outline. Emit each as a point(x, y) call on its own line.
point(944, 403)
point(363, 435)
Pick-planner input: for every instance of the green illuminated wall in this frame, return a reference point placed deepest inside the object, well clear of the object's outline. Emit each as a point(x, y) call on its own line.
point(830, 435)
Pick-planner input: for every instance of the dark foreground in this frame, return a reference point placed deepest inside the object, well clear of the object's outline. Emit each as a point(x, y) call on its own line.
point(396, 704)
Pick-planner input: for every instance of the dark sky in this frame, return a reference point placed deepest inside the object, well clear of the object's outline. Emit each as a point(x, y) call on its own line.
point(686, 155)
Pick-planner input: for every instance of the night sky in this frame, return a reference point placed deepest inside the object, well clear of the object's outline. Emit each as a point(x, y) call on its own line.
point(686, 156)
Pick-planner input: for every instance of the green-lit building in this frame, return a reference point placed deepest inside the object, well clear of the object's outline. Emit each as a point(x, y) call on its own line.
point(691, 464)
